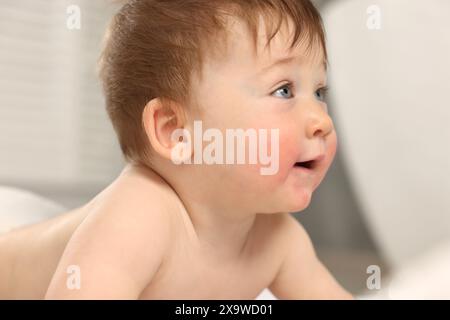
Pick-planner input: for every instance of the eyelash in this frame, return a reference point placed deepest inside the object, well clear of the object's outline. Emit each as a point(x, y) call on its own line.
point(323, 90)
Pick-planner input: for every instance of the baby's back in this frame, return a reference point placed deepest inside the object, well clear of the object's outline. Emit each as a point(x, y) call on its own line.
point(29, 255)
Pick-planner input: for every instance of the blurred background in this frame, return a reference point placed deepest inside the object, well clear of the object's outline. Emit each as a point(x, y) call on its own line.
point(386, 199)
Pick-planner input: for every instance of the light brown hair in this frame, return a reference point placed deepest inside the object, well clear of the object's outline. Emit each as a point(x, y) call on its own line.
point(154, 47)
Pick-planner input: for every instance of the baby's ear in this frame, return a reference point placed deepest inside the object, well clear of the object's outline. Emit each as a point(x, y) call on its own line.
point(161, 121)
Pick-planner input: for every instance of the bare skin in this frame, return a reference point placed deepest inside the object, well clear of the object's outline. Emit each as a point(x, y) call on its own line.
point(33, 253)
point(187, 269)
point(197, 231)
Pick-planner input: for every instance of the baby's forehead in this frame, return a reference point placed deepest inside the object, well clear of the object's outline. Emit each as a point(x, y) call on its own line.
point(258, 53)
point(244, 57)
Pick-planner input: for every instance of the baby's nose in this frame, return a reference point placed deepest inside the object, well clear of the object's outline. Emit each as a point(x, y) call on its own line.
point(319, 123)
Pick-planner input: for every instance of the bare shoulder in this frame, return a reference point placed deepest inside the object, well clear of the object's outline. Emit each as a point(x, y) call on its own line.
point(125, 237)
point(301, 274)
point(137, 211)
point(284, 228)
point(293, 229)
point(292, 237)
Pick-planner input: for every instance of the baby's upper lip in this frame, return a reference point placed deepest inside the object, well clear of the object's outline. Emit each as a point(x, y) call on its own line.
point(316, 158)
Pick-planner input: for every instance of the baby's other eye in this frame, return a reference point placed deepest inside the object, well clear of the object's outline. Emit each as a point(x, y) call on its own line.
point(321, 93)
point(285, 90)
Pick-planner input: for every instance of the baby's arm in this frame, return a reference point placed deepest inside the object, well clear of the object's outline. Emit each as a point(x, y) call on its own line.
point(301, 274)
point(117, 249)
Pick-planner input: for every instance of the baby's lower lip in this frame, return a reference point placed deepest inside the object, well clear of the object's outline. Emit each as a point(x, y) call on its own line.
point(304, 169)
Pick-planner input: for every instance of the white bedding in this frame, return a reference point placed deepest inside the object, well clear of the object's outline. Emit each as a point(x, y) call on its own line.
point(21, 207)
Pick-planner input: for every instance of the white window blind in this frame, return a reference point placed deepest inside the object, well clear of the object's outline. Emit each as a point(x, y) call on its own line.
point(54, 129)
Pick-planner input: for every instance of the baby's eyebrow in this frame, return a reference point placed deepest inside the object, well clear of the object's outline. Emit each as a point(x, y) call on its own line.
point(284, 61)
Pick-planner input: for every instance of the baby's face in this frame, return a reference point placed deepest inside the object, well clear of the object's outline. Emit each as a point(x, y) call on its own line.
point(242, 91)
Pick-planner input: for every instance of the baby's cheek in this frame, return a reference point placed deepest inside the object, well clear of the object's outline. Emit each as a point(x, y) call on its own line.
point(277, 152)
point(283, 155)
point(331, 148)
point(289, 148)
point(333, 144)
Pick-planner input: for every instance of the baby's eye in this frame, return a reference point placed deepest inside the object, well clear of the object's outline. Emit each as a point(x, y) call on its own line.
point(321, 93)
point(285, 90)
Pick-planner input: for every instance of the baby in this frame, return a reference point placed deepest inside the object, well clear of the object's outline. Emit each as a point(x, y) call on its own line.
point(183, 220)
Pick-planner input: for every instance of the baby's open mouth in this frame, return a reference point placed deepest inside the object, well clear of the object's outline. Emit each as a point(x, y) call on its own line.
point(306, 164)
point(310, 164)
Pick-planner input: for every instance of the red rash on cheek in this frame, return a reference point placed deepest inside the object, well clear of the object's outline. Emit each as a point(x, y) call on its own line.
point(289, 151)
point(289, 145)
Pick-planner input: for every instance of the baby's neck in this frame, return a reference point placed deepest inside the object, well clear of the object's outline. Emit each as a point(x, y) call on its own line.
point(221, 233)
point(218, 234)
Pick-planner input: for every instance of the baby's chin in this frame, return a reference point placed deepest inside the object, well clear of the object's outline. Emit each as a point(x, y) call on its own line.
point(300, 200)
point(297, 195)
point(287, 201)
